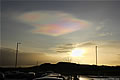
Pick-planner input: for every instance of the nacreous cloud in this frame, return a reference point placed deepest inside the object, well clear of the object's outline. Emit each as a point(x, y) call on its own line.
point(53, 23)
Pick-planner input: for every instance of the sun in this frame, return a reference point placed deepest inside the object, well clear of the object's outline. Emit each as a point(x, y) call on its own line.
point(77, 52)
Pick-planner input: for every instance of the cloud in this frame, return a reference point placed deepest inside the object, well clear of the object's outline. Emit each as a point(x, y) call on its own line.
point(102, 44)
point(105, 34)
point(65, 48)
point(9, 54)
point(101, 25)
point(53, 23)
point(111, 45)
point(88, 43)
point(99, 28)
point(110, 49)
point(60, 51)
point(7, 57)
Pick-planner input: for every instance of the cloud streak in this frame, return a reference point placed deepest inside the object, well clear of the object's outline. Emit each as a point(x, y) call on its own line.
point(7, 58)
point(53, 23)
point(99, 28)
point(66, 48)
point(105, 34)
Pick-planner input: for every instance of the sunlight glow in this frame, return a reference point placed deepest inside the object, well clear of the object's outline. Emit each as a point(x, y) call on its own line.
point(77, 52)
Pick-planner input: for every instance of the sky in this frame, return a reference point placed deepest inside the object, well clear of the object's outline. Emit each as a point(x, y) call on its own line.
point(51, 31)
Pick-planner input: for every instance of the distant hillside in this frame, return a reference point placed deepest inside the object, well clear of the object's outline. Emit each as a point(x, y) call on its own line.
point(66, 68)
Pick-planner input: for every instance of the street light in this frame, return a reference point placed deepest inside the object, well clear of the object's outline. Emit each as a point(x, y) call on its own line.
point(96, 55)
point(16, 54)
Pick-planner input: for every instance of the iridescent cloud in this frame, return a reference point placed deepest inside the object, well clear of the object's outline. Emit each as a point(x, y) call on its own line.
point(53, 23)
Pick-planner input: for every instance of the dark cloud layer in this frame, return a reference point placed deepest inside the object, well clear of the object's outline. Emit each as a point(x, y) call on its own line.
point(7, 57)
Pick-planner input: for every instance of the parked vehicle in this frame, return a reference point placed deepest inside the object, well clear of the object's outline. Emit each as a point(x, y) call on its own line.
point(48, 78)
point(2, 76)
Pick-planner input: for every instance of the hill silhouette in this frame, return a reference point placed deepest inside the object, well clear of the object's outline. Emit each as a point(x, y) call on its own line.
point(66, 68)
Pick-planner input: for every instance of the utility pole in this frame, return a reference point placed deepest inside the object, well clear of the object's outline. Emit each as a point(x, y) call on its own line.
point(96, 55)
point(17, 54)
point(37, 63)
point(1, 57)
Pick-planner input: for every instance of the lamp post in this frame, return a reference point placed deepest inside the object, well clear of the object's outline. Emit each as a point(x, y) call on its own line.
point(96, 55)
point(17, 54)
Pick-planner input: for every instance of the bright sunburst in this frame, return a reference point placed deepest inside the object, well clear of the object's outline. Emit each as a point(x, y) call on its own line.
point(77, 52)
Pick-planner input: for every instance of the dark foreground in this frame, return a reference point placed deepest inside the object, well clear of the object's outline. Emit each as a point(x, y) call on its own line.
point(64, 70)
